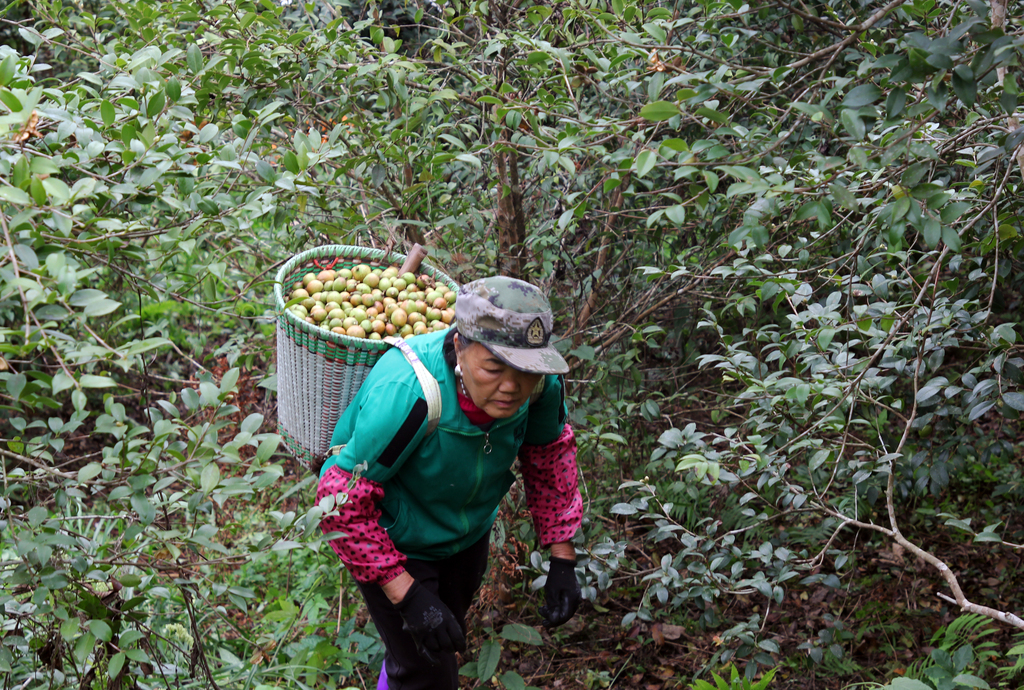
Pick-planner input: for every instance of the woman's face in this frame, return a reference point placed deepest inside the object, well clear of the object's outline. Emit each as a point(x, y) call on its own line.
point(495, 387)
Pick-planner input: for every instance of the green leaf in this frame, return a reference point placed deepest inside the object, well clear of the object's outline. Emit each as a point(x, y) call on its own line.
point(14, 196)
point(512, 681)
point(932, 233)
point(268, 447)
point(951, 239)
point(844, 196)
point(101, 629)
point(7, 69)
point(970, 681)
point(907, 684)
point(107, 113)
point(853, 124)
point(645, 162)
point(516, 632)
point(89, 471)
point(676, 214)
point(895, 103)
point(658, 111)
point(83, 647)
point(1014, 400)
point(93, 381)
point(16, 384)
point(61, 382)
point(487, 663)
point(145, 509)
point(116, 664)
point(195, 59)
point(210, 478)
point(964, 85)
point(156, 104)
point(291, 163)
point(862, 95)
point(713, 115)
point(825, 336)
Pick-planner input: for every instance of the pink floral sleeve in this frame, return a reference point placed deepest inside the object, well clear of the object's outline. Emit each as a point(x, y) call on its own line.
point(552, 488)
point(366, 549)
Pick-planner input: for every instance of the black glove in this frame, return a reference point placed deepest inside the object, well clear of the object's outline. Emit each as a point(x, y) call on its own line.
point(432, 626)
point(561, 591)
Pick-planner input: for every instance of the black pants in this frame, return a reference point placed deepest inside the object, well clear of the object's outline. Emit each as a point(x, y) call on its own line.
point(455, 581)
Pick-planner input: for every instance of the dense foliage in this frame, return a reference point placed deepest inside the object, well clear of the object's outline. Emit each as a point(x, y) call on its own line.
point(784, 243)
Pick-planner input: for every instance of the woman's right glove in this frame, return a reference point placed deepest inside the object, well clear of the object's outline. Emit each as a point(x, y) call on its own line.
point(432, 626)
point(561, 593)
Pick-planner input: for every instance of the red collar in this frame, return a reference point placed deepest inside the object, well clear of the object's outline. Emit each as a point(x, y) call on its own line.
point(477, 416)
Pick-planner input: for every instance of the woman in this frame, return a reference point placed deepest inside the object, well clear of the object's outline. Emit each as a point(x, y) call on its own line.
point(419, 505)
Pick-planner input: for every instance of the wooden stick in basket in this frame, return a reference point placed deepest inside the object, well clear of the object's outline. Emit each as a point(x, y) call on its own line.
point(416, 256)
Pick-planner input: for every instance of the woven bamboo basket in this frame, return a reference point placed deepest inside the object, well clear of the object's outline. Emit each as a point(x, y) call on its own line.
point(319, 372)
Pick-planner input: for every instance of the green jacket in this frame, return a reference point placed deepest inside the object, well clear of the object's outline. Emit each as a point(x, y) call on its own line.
point(442, 490)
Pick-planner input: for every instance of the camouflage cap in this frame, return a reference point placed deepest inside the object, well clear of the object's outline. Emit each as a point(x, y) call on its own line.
point(512, 319)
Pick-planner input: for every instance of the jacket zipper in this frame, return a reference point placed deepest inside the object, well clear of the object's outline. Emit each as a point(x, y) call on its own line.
point(483, 450)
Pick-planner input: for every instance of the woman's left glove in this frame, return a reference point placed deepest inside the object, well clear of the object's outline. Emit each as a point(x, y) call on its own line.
point(561, 592)
point(430, 623)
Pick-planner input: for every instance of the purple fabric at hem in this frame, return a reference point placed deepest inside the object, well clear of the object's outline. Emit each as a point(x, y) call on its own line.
point(382, 682)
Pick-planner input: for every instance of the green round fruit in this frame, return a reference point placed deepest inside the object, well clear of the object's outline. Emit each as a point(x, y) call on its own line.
point(400, 318)
point(361, 271)
point(356, 332)
point(371, 280)
point(345, 273)
point(308, 278)
point(318, 314)
point(358, 313)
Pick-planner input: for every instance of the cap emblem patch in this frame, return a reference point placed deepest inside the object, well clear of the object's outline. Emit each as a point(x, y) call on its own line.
point(535, 333)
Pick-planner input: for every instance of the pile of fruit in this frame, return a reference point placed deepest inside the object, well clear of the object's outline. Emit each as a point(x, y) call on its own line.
point(365, 302)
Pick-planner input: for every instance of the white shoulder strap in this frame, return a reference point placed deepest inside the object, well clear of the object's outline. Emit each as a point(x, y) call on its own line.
point(431, 390)
point(538, 390)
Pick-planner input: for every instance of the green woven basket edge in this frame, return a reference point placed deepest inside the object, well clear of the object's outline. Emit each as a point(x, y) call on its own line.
point(286, 318)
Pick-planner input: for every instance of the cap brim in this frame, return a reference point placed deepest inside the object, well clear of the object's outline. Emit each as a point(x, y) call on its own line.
point(538, 360)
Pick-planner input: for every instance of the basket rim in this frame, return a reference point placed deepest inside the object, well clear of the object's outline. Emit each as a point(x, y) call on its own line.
point(335, 250)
